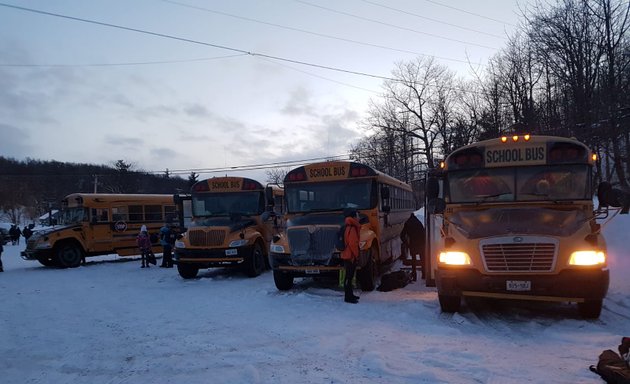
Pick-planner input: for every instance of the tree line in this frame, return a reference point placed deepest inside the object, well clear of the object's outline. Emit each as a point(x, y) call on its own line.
point(30, 188)
point(565, 72)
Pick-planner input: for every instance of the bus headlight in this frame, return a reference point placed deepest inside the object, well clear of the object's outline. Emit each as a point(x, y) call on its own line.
point(275, 248)
point(454, 258)
point(587, 258)
point(238, 243)
point(180, 244)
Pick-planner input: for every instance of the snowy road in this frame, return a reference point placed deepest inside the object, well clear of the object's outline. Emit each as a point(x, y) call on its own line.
point(112, 322)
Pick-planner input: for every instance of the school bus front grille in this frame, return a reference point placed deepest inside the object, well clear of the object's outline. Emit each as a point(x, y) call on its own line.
point(201, 238)
point(312, 247)
point(527, 257)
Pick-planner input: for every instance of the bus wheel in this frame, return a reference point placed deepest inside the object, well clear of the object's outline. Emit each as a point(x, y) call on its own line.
point(256, 262)
point(47, 261)
point(187, 271)
point(368, 273)
point(449, 304)
point(590, 309)
point(284, 281)
point(69, 256)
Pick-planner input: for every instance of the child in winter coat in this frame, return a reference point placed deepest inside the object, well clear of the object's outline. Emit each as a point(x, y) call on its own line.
point(144, 243)
point(350, 254)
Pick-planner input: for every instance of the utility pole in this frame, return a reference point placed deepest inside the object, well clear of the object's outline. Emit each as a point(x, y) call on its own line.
point(95, 182)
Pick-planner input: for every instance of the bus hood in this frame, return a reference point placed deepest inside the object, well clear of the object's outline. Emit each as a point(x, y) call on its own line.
point(233, 224)
point(48, 231)
point(476, 224)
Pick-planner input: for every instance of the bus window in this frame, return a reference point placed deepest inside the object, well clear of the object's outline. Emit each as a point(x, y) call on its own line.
point(555, 182)
point(100, 215)
point(135, 213)
point(120, 214)
point(153, 213)
point(170, 213)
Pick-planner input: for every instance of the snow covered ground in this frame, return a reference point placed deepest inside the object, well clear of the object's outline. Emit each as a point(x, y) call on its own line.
point(112, 322)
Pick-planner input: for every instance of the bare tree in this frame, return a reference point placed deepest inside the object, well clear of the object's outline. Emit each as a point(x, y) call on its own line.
point(276, 175)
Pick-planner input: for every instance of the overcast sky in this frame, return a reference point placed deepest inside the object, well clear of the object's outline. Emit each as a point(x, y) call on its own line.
point(82, 92)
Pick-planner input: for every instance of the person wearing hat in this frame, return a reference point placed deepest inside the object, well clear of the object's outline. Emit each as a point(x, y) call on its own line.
point(350, 254)
point(144, 243)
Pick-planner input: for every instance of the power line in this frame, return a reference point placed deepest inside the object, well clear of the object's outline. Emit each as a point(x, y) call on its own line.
point(310, 32)
point(122, 64)
point(318, 76)
point(431, 19)
point(195, 42)
point(393, 25)
point(236, 168)
point(244, 52)
point(252, 167)
point(468, 12)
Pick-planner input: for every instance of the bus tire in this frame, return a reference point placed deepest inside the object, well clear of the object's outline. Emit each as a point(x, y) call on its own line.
point(256, 262)
point(68, 255)
point(47, 261)
point(367, 275)
point(449, 303)
point(284, 281)
point(187, 271)
point(590, 309)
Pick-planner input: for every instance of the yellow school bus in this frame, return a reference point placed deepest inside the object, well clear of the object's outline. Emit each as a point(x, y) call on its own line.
point(232, 223)
point(513, 218)
point(316, 195)
point(92, 224)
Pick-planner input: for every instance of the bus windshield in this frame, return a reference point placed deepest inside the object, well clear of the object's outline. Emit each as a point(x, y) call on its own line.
point(330, 196)
point(73, 216)
point(227, 204)
point(544, 183)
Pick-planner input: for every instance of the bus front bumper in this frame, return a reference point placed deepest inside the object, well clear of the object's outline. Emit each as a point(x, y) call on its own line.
point(568, 285)
point(285, 263)
point(212, 258)
point(35, 254)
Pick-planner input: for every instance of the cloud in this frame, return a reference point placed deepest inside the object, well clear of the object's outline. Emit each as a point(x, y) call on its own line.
point(196, 110)
point(299, 103)
point(13, 142)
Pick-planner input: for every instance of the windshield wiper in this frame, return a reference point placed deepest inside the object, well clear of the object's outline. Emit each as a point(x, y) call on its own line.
point(485, 198)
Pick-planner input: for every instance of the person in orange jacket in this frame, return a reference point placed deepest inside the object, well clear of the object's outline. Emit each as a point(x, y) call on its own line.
point(350, 254)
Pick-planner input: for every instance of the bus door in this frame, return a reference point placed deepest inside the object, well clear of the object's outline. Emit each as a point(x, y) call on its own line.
point(100, 233)
point(434, 206)
point(183, 201)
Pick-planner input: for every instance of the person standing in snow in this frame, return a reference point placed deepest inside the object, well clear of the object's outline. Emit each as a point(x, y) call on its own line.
point(144, 243)
point(350, 254)
point(167, 246)
point(26, 232)
point(412, 235)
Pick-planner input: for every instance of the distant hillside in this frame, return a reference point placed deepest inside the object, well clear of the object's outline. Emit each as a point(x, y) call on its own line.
point(29, 188)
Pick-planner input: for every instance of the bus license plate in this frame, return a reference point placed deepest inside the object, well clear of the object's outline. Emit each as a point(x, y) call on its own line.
point(518, 285)
point(312, 271)
point(231, 252)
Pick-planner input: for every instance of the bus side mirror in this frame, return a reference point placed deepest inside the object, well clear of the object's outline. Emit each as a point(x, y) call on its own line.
point(269, 196)
point(614, 197)
point(433, 188)
point(436, 206)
